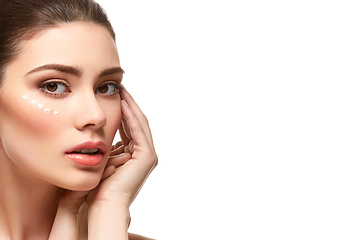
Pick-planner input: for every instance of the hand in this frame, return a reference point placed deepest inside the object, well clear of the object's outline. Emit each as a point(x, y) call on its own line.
point(131, 161)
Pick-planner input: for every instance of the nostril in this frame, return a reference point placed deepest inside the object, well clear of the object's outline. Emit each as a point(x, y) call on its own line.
point(95, 123)
point(90, 116)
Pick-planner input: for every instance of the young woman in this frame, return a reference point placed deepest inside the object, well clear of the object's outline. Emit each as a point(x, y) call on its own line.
point(61, 103)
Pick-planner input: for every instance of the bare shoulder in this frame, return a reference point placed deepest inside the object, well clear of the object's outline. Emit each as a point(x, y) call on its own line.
point(138, 237)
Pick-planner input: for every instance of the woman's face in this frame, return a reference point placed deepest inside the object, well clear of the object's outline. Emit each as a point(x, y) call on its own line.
point(59, 98)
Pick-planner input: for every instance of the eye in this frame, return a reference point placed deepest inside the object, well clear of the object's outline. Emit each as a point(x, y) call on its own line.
point(54, 87)
point(108, 89)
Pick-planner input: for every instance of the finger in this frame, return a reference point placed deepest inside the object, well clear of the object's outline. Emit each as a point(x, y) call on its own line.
point(119, 160)
point(117, 151)
point(130, 148)
point(124, 137)
point(109, 170)
point(126, 128)
point(118, 144)
point(137, 132)
point(125, 95)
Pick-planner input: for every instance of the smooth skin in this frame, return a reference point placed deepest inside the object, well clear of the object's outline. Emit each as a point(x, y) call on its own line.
point(44, 195)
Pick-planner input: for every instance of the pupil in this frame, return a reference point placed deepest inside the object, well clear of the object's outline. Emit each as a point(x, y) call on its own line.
point(52, 87)
point(103, 89)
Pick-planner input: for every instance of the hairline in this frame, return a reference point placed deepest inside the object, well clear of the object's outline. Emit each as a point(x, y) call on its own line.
point(35, 33)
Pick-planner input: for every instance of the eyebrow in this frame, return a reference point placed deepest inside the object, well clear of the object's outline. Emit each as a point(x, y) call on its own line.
point(111, 71)
point(74, 70)
point(59, 67)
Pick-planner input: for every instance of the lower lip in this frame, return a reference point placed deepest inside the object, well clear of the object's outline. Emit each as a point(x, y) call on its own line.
point(86, 160)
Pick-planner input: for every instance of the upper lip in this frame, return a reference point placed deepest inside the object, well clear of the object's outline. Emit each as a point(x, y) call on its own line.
point(89, 145)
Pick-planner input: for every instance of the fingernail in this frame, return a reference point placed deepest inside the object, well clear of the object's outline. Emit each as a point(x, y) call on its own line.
point(125, 102)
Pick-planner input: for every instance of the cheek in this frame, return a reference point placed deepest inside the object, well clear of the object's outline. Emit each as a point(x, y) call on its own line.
point(30, 115)
point(26, 128)
point(24, 121)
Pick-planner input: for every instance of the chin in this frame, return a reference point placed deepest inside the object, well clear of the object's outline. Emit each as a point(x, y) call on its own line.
point(83, 183)
point(83, 187)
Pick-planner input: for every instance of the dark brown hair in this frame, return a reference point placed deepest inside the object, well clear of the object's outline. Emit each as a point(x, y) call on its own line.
point(21, 20)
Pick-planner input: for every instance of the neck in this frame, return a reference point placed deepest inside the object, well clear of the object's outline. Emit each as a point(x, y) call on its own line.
point(27, 204)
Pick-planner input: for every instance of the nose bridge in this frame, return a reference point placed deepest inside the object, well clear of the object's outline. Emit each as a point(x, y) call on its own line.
point(89, 112)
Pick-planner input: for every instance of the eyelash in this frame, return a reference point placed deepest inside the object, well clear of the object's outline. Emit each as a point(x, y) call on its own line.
point(43, 86)
point(116, 86)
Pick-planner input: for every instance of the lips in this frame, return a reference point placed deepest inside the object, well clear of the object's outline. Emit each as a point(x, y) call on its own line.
point(89, 154)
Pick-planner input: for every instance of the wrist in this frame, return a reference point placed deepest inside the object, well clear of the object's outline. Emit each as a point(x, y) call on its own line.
point(108, 220)
point(104, 206)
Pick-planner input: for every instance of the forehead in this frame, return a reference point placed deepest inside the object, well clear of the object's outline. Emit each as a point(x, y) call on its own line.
point(87, 45)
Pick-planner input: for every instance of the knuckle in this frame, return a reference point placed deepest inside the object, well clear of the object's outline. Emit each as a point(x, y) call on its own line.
point(144, 119)
point(155, 161)
point(152, 159)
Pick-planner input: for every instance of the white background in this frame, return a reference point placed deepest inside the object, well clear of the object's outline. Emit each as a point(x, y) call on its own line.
point(254, 108)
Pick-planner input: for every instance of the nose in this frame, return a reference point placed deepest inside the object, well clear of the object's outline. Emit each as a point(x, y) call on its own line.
point(89, 114)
